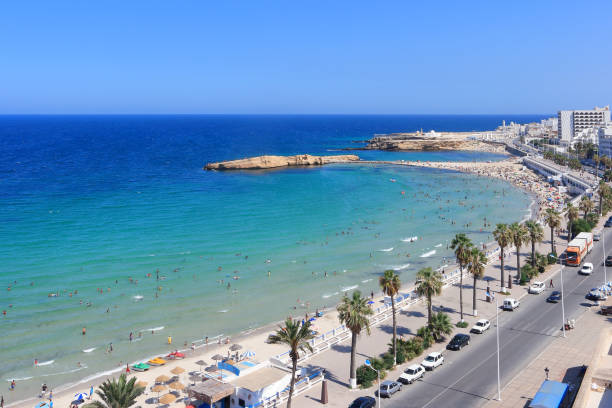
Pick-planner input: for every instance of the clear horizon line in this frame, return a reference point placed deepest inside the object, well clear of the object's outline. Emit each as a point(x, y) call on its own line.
point(276, 114)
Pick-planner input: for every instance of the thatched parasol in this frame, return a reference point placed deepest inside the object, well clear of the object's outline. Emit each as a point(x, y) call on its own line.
point(201, 363)
point(142, 383)
point(177, 370)
point(177, 385)
point(236, 347)
point(162, 379)
point(158, 388)
point(167, 398)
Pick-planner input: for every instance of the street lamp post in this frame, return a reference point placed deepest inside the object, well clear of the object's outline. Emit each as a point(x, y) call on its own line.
point(497, 330)
point(369, 364)
point(562, 297)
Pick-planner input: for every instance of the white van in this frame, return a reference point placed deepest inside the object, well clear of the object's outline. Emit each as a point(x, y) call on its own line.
point(510, 304)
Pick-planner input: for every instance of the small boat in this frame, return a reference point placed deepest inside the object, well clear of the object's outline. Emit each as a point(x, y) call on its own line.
point(175, 355)
point(141, 367)
point(157, 361)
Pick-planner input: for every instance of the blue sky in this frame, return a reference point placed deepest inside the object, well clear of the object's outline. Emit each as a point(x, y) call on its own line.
point(304, 56)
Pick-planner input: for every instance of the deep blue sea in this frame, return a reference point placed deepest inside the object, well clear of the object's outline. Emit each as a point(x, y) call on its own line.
point(91, 205)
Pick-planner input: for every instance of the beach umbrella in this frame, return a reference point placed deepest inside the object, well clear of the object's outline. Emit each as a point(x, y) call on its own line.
point(79, 396)
point(177, 385)
point(236, 347)
point(211, 369)
point(167, 398)
point(142, 383)
point(158, 388)
point(162, 379)
point(217, 357)
point(201, 363)
point(177, 370)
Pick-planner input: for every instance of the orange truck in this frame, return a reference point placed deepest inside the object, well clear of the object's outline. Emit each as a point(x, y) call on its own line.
point(578, 248)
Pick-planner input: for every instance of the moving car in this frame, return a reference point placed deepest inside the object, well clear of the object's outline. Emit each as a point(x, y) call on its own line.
point(608, 223)
point(609, 260)
point(363, 402)
point(510, 304)
point(458, 342)
point(433, 360)
point(554, 297)
point(537, 287)
point(596, 294)
point(480, 326)
point(586, 269)
point(388, 388)
point(411, 374)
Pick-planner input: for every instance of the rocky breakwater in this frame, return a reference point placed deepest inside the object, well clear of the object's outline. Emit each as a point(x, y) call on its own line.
point(432, 141)
point(271, 162)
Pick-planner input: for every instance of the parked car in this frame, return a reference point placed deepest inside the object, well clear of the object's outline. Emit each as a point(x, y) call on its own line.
point(554, 297)
point(388, 388)
point(510, 304)
point(458, 342)
point(608, 223)
point(481, 326)
point(609, 260)
point(596, 294)
point(411, 374)
point(537, 287)
point(363, 402)
point(586, 269)
point(433, 360)
point(597, 235)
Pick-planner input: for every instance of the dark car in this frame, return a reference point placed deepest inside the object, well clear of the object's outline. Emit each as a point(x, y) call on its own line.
point(608, 223)
point(609, 260)
point(554, 297)
point(458, 342)
point(363, 402)
point(388, 388)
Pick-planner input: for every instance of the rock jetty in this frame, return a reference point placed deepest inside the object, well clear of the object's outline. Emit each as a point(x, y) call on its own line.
point(270, 162)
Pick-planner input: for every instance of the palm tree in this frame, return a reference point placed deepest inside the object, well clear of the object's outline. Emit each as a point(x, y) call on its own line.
point(519, 237)
point(117, 393)
point(603, 187)
point(354, 312)
point(462, 246)
point(572, 215)
point(502, 236)
point(390, 284)
point(586, 205)
point(297, 338)
point(429, 285)
point(536, 234)
point(476, 266)
point(440, 325)
point(553, 220)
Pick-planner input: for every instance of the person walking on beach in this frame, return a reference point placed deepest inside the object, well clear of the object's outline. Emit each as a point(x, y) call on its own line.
point(90, 392)
point(1, 401)
point(43, 390)
point(12, 387)
point(131, 336)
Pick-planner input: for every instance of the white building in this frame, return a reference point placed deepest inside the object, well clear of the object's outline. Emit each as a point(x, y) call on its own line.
point(605, 140)
point(576, 123)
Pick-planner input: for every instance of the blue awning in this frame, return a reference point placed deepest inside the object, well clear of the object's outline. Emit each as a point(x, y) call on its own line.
point(550, 395)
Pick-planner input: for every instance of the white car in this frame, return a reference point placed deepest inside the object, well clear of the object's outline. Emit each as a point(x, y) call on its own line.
point(586, 269)
point(411, 374)
point(537, 287)
point(480, 326)
point(433, 360)
point(510, 304)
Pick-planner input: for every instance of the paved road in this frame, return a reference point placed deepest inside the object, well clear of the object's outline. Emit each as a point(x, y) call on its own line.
point(468, 377)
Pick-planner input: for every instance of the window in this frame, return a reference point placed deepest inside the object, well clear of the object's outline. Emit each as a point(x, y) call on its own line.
point(241, 402)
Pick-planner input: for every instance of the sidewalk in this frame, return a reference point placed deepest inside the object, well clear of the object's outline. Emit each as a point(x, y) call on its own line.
point(577, 350)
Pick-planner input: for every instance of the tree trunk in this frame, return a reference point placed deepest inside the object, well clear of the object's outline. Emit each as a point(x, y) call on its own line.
point(552, 240)
point(533, 260)
point(502, 269)
point(353, 374)
point(292, 384)
point(474, 297)
point(394, 327)
point(569, 231)
point(518, 264)
point(461, 290)
point(429, 309)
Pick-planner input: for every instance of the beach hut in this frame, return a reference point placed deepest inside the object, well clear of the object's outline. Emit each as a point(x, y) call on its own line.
point(212, 391)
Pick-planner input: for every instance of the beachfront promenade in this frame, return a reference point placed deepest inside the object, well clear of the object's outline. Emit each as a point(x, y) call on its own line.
point(468, 378)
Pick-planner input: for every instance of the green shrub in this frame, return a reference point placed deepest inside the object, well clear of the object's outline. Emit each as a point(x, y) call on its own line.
point(425, 333)
point(527, 272)
point(581, 225)
point(552, 259)
point(387, 359)
point(365, 376)
point(463, 324)
point(400, 356)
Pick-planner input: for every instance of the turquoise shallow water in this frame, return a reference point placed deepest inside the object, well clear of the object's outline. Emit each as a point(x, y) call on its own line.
point(305, 233)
